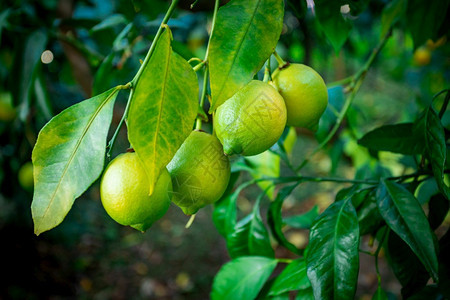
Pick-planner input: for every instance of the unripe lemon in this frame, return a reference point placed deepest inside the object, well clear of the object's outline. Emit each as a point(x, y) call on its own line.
point(252, 120)
point(200, 172)
point(422, 56)
point(7, 111)
point(305, 94)
point(25, 176)
point(124, 193)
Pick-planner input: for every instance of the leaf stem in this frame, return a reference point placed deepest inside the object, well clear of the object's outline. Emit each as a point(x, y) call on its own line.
point(155, 40)
point(355, 84)
point(194, 59)
point(284, 260)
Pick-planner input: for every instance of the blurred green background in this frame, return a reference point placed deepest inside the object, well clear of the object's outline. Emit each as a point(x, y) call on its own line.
point(55, 53)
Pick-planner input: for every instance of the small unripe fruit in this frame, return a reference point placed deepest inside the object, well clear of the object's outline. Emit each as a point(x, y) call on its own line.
point(252, 120)
point(304, 93)
point(200, 172)
point(124, 193)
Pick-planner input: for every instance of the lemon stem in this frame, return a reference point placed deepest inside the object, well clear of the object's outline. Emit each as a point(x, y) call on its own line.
point(191, 220)
point(281, 62)
point(267, 76)
point(198, 124)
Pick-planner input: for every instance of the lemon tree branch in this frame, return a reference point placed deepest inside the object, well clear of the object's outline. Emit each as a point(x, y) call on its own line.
point(353, 87)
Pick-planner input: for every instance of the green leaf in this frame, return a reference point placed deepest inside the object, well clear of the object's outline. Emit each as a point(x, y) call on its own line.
point(102, 77)
point(4, 15)
point(299, 7)
point(242, 278)
point(391, 14)
point(111, 21)
point(379, 294)
point(306, 294)
point(24, 68)
point(284, 146)
point(250, 236)
point(275, 221)
point(428, 292)
point(245, 35)
point(292, 278)
point(265, 164)
point(163, 108)
point(408, 269)
point(423, 19)
point(444, 264)
point(332, 23)
point(369, 218)
point(333, 252)
point(356, 6)
point(398, 138)
point(437, 210)
point(303, 221)
point(404, 215)
point(68, 157)
point(42, 96)
point(431, 127)
point(224, 214)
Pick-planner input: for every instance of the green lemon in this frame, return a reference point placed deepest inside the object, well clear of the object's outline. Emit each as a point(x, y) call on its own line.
point(305, 94)
point(124, 193)
point(200, 172)
point(25, 176)
point(252, 120)
point(7, 111)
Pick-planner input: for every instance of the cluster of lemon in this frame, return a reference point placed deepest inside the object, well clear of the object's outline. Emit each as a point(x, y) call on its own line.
point(248, 123)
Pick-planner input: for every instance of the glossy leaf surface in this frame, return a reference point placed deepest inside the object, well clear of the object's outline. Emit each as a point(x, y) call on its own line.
point(163, 108)
point(404, 215)
point(245, 35)
point(431, 127)
point(332, 23)
point(292, 278)
point(68, 157)
point(333, 252)
point(303, 221)
point(398, 138)
point(275, 221)
point(250, 237)
point(242, 278)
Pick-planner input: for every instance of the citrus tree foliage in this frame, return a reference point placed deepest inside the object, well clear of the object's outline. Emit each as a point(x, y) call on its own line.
point(162, 109)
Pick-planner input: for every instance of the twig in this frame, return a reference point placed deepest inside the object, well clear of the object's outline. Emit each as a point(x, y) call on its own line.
point(354, 86)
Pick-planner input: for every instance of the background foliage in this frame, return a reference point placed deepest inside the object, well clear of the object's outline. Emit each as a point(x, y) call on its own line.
point(95, 45)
